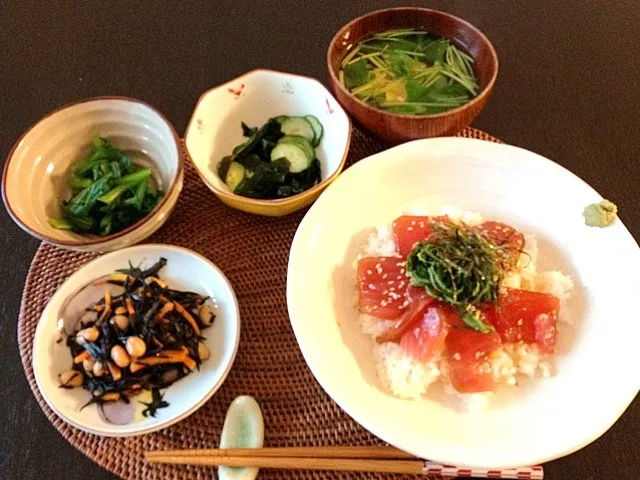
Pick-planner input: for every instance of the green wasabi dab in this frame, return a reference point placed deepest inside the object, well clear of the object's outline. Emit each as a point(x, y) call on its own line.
point(600, 214)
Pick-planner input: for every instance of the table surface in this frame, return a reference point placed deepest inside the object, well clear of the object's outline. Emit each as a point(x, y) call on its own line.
point(567, 89)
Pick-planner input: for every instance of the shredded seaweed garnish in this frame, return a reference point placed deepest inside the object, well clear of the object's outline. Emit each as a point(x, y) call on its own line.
point(459, 265)
point(165, 326)
point(156, 403)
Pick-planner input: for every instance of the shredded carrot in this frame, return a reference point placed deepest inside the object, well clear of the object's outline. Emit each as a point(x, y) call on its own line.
point(181, 310)
point(189, 362)
point(169, 356)
point(168, 307)
point(107, 307)
point(121, 310)
point(98, 308)
point(155, 280)
point(103, 315)
point(159, 360)
point(157, 342)
point(130, 308)
point(81, 357)
point(136, 367)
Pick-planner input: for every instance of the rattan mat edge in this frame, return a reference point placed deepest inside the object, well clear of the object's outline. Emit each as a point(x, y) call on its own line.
point(269, 365)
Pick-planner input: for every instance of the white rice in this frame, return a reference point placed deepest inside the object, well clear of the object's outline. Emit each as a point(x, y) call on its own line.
point(400, 374)
point(405, 377)
point(374, 326)
point(381, 243)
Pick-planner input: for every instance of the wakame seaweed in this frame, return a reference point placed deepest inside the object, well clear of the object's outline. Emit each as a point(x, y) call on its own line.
point(266, 178)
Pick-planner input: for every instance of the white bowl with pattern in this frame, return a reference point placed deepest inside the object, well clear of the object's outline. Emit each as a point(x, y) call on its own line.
point(253, 98)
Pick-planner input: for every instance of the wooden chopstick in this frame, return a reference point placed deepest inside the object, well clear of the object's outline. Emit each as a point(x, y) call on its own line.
point(298, 463)
point(354, 459)
point(366, 452)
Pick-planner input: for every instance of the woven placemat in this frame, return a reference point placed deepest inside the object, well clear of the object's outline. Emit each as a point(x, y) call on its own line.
point(253, 252)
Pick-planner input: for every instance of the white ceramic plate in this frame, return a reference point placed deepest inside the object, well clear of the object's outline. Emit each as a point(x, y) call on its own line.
point(543, 419)
point(185, 270)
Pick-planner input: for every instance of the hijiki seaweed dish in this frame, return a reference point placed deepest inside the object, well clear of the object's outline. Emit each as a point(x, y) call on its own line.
point(143, 339)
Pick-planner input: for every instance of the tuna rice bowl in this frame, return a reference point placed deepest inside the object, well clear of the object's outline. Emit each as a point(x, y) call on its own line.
point(456, 300)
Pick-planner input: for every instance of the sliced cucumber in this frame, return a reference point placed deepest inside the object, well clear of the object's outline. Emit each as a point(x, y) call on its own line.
point(223, 166)
point(235, 175)
point(318, 130)
point(298, 126)
point(281, 118)
point(302, 143)
point(298, 158)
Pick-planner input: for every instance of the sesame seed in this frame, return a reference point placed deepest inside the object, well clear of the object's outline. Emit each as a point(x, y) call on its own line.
point(413, 222)
point(383, 303)
point(405, 303)
point(409, 229)
point(375, 307)
point(369, 272)
point(390, 282)
point(384, 276)
point(372, 286)
point(392, 289)
point(456, 356)
point(385, 292)
point(399, 277)
point(520, 322)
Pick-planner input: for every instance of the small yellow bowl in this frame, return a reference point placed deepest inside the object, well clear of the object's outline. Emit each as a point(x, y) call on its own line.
point(214, 130)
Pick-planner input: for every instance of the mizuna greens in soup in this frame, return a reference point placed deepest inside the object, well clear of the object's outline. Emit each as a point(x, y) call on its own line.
point(408, 71)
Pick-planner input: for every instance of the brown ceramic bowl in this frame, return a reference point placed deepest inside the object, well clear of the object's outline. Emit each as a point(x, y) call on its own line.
point(398, 128)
